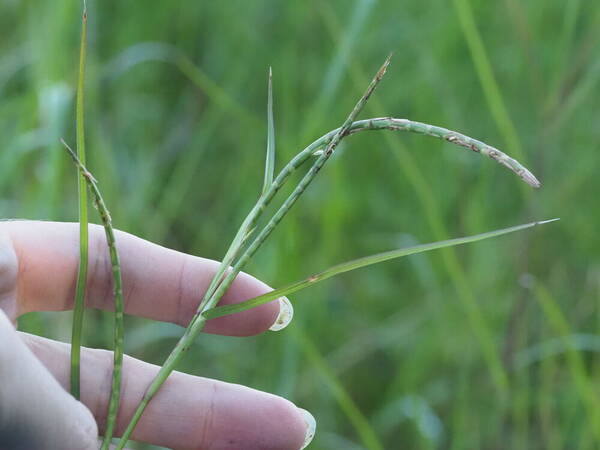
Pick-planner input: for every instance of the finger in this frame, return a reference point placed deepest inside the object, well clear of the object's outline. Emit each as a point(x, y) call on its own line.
point(187, 412)
point(158, 283)
point(35, 411)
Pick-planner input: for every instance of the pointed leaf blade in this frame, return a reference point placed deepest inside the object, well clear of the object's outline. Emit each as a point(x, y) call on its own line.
point(270, 159)
point(356, 264)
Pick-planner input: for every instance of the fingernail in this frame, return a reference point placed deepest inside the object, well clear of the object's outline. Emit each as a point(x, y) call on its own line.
point(311, 427)
point(286, 313)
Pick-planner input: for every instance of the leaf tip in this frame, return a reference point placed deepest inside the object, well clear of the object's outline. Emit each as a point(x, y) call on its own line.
point(384, 67)
point(543, 222)
point(67, 147)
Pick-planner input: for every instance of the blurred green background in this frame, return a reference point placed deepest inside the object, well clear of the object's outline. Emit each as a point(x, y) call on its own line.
point(493, 345)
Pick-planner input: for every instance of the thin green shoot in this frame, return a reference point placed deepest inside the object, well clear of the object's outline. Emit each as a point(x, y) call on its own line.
point(115, 393)
point(79, 303)
point(270, 159)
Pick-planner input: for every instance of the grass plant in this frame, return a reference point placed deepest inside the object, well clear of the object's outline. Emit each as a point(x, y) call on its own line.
point(174, 119)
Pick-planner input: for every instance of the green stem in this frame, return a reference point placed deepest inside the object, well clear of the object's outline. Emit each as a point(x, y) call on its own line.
point(115, 393)
point(79, 303)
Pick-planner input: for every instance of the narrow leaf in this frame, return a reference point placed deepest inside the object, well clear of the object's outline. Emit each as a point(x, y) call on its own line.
point(270, 159)
point(356, 264)
point(79, 303)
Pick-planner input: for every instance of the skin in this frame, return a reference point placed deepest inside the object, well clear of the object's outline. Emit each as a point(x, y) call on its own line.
point(38, 268)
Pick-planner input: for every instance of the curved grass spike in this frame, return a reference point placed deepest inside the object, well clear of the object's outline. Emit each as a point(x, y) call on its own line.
point(79, 303)
point(453, 137)
point(115, 393)
point(327, 143)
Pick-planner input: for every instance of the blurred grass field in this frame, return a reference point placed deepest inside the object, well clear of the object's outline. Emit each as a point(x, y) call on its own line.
point(491, 346)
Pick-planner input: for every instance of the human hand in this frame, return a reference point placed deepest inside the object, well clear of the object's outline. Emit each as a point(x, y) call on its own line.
point(38, 268)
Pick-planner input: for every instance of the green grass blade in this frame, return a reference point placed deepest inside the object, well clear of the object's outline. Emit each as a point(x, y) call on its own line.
point(346, 45)
point(584, 386)
point(166, 53)
point(119, 331)
point(79, 304)
point(485, 73)
point(355, 416)
point(356, 264)
point(431, 207)
point(270, 160)
point(563, 52)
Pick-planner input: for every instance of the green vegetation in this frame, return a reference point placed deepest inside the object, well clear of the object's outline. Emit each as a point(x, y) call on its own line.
point(425, 352)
